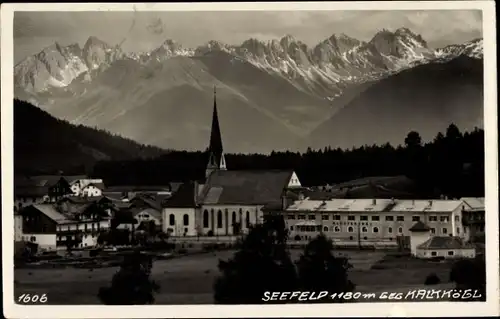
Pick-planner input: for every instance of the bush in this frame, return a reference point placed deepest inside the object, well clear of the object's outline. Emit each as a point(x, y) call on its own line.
point(432, 279)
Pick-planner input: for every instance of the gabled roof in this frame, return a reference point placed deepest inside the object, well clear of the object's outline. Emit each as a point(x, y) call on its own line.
point(444, 242)
point(259, 187)
point(51, 212)
point(150, 202)
point(184, 197)
point(419, 227)
point(473, 203)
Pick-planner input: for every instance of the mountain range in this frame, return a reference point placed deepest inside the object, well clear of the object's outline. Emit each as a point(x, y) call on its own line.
point(279, 94)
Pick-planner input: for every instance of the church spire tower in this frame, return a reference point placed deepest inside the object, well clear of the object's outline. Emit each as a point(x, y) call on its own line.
point(216, 160)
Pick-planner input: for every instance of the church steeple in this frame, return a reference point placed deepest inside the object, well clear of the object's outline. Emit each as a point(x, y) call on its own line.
point(216, 159)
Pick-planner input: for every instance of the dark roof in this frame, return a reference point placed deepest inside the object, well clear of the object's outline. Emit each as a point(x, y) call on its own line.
point(137, 188)
point(259, 187)
point(184, 197)
point(444, 242)
point(419, 227)
point(38, 186)
point(148, 201)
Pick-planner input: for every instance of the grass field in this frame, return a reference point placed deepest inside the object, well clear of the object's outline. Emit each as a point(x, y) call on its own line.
point(189, 279)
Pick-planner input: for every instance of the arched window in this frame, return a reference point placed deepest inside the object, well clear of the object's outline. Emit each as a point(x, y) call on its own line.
point(219, 219)
point(400, 230)
point(172, 219)
point(247, 219)
point(389, 230)
point(241, 216)
point(205, 218)
point(186, 219)
point(325, 228)
point(364, 229)
point(234, 218)
point(375, 229)
point(350, 229)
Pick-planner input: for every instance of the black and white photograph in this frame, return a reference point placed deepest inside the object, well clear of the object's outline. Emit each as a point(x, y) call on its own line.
point(197, 154)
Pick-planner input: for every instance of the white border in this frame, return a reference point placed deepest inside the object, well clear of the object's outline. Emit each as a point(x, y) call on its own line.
point(427, 309)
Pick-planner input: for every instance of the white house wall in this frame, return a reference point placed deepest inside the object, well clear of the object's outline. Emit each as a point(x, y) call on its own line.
point(174, 221)
point(46, 242)
point(255, 216)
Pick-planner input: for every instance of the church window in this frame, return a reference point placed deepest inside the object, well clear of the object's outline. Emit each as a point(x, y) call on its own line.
point(247, 219)
point(233, 219)
point(172, 219)
point(186, 219)
point(219, 219)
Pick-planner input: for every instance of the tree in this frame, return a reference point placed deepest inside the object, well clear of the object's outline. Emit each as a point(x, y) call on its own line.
point(470, 274)
point(132, 284)
point(262, 264)
point(319, 270)
point(413, 139)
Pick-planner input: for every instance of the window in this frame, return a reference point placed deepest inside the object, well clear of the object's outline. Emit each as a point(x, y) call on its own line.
point(400, 218)
point(433, 230)
point(400, 230)
point(363, 217)
point(302, 216)
point(389, 230)
point(350, 229)
point(233, 218)
point(336, 217)
point(375, 229)
point(172, 219)
point(364, 230)
point(325, 217)
point(85, 227)
point(205, 218)
point(247, 219)
point(445, 231)
point(458, 230)
point(433, 253)
point(186, 219)
point(219, 219)
point(389, 218)
point(291, 216)
point(337, 229)
point(351, 217)
point(457, 218)
point(311, 217)
point(415, 218)
point(375, 218)
point(325, 228)
point(444, 219)
point(32, 238)
point(351, 238)
point(433, 218)
point(451, 253)
point(291, 228)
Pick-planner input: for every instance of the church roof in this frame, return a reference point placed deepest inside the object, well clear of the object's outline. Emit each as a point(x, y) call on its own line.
point(183, 197)
point(259, 187)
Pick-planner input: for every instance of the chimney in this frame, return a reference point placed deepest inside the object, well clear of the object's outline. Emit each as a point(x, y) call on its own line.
point(393, 201)
point(413, 202)
point(430, 203)
point(446, 197)
point(195, 192)
point(374, 201)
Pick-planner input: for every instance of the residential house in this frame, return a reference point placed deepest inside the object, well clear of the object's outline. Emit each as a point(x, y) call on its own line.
point(474, 218)
point(425, 245)
point(86, 187)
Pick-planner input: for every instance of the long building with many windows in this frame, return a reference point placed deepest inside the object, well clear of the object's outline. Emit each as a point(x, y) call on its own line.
point(374, 222)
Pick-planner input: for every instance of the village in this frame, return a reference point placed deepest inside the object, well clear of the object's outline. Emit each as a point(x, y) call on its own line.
point(72, 222)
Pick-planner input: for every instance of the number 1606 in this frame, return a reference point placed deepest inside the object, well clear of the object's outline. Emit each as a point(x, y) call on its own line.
point(28, 298)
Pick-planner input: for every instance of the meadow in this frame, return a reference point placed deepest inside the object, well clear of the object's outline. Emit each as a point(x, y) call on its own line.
point(189, 279)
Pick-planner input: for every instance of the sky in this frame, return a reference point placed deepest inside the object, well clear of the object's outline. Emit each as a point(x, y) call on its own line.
point(141, 31)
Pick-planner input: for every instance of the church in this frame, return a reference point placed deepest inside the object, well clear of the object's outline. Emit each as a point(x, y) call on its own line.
point(229, 201)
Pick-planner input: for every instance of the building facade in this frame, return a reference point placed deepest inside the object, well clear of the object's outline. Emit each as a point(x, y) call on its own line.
point(371, 222)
